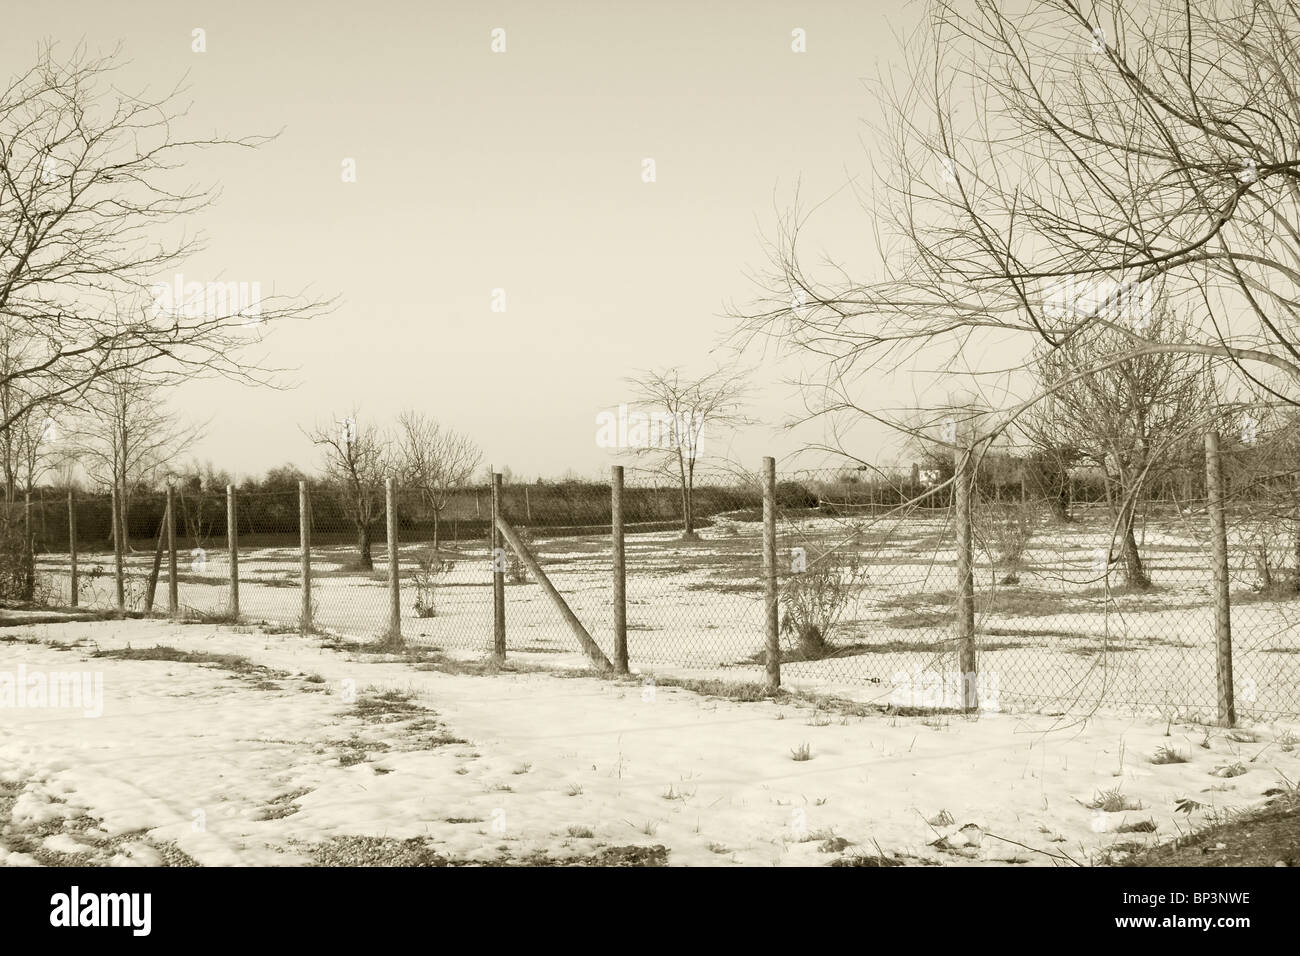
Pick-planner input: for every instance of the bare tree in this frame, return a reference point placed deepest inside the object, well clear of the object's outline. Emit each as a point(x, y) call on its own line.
point(30, 442)
point(1126, 418)
point(1052, 164)
point(88, 191)
point(200, 502)
point(434, 461)
point(357, 460)
point(668, 420)
point(126, 436)
point(1261, 463)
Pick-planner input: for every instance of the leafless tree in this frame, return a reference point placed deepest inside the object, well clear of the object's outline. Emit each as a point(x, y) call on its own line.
point(89, 196)
point(357, 460)
point(1261, 463)
point(127, 437)
point(1051, 164)
point(1126, 418)
point(29, 444)
point(200, 501)
point(434, 461)
point(673, 413)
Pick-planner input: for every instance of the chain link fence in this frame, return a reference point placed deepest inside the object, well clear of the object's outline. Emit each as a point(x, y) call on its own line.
point(1069, 611)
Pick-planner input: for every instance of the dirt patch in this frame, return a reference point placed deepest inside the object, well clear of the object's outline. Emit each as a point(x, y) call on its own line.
point(1265, 837)
point(81, 830)
point(417, 852)
point(161, 652)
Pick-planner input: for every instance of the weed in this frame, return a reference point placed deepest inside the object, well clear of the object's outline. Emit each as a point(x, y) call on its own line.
point(1166, 755)
point(1112, 801)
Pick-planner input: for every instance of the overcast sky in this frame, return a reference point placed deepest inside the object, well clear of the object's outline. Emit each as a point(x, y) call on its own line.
point(519, 171)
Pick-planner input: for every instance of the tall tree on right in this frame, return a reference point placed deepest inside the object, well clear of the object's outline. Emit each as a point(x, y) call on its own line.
point(1042, 152)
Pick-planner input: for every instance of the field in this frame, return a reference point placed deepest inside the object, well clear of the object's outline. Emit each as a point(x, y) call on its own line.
point(229, 745)
point(1068, 637)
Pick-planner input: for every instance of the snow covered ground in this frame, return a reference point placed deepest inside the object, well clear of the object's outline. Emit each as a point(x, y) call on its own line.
point(269, 755)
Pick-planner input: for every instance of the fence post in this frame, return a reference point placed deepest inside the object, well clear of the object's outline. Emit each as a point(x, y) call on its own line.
point(232, 545)
point(119, 574)
point(771, 630)
point(620, 568)
point(394, 635)
point(304, 542)
point(1219, 558)
point(29, 549)
point(151, 585)
point(498, 576)
point(72, 543)
point(966, 667)
point(173, 590)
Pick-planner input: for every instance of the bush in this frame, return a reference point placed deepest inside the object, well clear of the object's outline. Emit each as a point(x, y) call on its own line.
point(427, 577)
point(17, 567)
point(794, 494)
point(815, 599)
point(516, 570)
point(1004, 530)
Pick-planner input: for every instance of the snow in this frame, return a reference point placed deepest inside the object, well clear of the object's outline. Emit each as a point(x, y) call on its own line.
point(217, 763)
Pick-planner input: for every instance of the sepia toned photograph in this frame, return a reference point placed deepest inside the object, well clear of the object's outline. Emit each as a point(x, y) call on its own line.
point(778, 434)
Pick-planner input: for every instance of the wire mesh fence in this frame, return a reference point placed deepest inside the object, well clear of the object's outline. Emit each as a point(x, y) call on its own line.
point(1070, 610)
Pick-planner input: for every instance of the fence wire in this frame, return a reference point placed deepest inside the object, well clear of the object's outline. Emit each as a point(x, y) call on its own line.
point(1067, 617)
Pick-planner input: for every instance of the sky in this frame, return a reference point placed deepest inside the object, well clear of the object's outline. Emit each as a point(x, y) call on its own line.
point(519, 171)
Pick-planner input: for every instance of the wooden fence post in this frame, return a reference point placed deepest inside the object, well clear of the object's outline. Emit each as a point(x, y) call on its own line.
point(498, 576)
point(1219, 559)
point(771, 631)
point(305, 623)
point(173, 589)
point(72, 543)
point(29, 548)
point(589, 646)
point(232, 546)
point(394, 635)
point(151, 585)
point(620, 568)
point(966, 666)
point(119, 572)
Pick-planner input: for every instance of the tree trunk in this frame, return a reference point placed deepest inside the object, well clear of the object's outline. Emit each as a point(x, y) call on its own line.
point(1295, 573)
point(688, 520)
point(364, 561)
point(1262, 570)
point(435, 534)
point(1134, 574)
point(688, 509)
